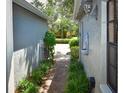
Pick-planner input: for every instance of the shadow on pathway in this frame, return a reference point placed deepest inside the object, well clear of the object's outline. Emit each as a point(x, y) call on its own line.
point(56, 80)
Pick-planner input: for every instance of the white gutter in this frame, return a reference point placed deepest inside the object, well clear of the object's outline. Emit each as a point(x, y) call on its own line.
point(77, 4)
point(31, 8)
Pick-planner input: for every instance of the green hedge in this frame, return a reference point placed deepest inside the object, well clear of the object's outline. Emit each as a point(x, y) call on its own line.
point(74, 41)
point(49, 41)
point(75, 52)
point(77, 80)
point(62, 41)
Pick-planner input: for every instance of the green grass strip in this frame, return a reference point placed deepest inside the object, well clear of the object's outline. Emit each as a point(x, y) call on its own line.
point(77, 80)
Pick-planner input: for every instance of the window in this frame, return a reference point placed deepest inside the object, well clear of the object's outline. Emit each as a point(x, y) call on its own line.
point(85, 43)
point(112, 45)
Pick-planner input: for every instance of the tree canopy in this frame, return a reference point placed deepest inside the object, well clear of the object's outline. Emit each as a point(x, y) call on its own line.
point(60, 14)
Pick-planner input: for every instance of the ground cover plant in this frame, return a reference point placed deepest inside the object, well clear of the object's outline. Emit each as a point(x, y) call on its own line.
point(31, 83)
point(77, 80)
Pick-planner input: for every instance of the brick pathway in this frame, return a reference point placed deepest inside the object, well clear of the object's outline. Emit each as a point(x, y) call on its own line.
point(56, 79)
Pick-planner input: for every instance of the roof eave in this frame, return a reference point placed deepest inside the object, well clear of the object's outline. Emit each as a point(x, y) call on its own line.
point(78, 10)
point(31, 8)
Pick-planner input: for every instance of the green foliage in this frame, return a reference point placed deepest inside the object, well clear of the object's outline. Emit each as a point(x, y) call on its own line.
point(63, 25)
point(45, 65)
point(49, 41)
point(31, 83)
point(74, 41)
point(75, 52)
point(77, 79)
point(26, 86)
point(62, 41)
point(38, 4)
point(65, 7)
point(74, 46)
point(60, 15)
point(69, 6)
point(39, 72)
point(36, 76)
point(31, 89)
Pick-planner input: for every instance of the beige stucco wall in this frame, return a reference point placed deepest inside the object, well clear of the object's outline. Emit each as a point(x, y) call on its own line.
point(95, 62)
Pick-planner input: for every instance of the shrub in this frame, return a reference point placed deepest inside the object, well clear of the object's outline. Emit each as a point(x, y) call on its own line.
point(62, 41)
point(36, 76)
point(31, 89)
point(45, 66)
point(77, 79)
point(49, 41)
point(75, 52)
point(39, 72)
point(74, 41)
point(30, 84)
point(26, 86)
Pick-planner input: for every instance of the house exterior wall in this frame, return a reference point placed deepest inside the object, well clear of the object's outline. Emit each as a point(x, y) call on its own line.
point(25, 33)
point(28, 28)
point(95, 62)
point(28, 31)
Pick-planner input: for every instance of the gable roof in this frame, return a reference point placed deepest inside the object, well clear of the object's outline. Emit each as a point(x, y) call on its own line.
point(31, 8)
